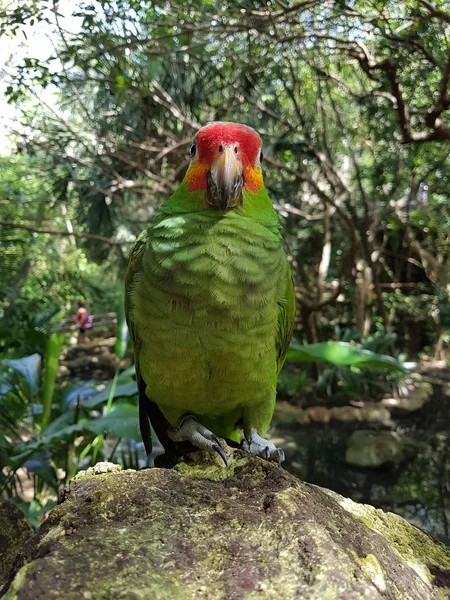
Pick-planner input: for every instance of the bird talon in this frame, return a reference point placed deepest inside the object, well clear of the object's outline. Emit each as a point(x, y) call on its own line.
point(281, 456)
point(255, 444)
point(190, 430)
point(218, 448)
point(215, 439)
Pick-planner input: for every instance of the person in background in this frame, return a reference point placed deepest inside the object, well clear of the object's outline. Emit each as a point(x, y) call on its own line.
point(84, 320)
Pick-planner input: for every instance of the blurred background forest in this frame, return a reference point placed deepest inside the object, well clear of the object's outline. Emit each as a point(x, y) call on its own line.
point(101, 102)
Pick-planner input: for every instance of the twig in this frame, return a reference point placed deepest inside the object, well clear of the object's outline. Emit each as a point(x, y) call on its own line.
point(296, 211)
point(89, 236)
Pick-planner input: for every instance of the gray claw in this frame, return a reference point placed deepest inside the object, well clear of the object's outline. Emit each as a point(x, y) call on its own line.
point(280, 455)
point(257, 445)
point(190, 430)
point(218, 448)
point(215, 438)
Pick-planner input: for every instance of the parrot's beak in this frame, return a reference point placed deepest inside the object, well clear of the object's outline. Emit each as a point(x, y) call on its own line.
point(224, 180)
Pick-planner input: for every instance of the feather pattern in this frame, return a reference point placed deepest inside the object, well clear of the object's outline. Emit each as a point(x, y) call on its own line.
point(210, 303)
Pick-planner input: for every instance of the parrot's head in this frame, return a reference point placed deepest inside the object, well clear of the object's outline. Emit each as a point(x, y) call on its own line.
point(225, 162)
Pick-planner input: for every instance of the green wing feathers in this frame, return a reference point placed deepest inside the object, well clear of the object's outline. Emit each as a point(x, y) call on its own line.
point(148, 410)
point(134, 266)
point(286, 318)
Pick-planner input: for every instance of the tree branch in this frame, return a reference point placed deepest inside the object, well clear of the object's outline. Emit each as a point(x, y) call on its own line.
point(89, 236)
point(435, 12)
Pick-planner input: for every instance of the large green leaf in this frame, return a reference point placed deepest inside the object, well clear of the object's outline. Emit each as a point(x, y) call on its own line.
point(66, 419)
point(44, 441)
point(124, 390)
point(33, 510)
point(29, 367)
point(342, 354)
point(127, 374)
point(73, 392)
point(123, 421)
point(39, 464)
point(53, 350)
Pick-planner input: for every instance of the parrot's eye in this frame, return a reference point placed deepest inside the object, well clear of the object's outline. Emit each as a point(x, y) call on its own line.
point(192, 151)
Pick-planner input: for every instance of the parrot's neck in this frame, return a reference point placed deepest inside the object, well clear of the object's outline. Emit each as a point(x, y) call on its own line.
point(255, 206)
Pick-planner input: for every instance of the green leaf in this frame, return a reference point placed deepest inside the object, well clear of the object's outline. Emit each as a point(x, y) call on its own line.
point(19, 460)
point(123, 421)
point(39, 464)
point(60, 423)
point(73, 391)
point(33, 510)
point(54, 345)
point(124, 390)
point(342, 354)
point(29, 367)
point(123, 337)
point(127, 374)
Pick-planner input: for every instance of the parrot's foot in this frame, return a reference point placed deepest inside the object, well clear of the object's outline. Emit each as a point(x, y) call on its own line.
point(255, 444)
point(190, 430)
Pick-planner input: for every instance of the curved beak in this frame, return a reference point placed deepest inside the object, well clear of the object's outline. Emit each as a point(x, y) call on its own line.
point(225, 181)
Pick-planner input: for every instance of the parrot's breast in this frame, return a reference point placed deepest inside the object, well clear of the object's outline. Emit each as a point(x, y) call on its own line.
point(206, 306)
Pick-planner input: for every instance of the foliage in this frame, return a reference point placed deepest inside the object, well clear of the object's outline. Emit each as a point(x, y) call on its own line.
point(346, 371)
point(342, 354)
point(47, 434)
point(41, 275)
point(351, 105)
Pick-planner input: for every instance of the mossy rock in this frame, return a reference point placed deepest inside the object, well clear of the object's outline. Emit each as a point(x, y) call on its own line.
point(367, 448)
point(14, 531)
point(247, 531)
point(415, 400)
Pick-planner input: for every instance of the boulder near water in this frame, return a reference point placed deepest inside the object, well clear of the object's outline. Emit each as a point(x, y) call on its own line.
point(201, 530)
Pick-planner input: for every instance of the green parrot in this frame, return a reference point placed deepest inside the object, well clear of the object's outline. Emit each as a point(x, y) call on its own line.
point(210, 302)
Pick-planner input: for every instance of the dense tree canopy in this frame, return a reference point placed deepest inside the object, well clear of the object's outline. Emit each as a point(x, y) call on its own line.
point(352, 102)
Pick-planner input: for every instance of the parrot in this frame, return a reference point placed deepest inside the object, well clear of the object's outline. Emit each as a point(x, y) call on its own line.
point(210, 303)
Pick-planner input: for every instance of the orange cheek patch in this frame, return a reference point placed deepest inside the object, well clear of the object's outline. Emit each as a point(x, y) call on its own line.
point(196, 176)
point(253, 179)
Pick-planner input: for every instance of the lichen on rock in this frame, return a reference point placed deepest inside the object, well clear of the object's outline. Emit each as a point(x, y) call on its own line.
point(101, 468)
point(243, 532)
point(14, 531)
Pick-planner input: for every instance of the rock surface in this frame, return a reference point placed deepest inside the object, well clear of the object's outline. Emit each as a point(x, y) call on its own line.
point(14, 531)
point(419, 395)
point(95, 359)
point(367, 448)
point(201, 530)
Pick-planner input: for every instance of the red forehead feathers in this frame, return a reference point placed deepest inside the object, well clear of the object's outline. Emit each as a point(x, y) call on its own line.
point(212, 135)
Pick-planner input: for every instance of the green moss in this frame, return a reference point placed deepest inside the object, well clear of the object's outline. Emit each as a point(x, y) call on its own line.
point(14, 531)
point(16, 584)
point(414, 546)
point(201, 465)
point(212, 473)
point(372, 570)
